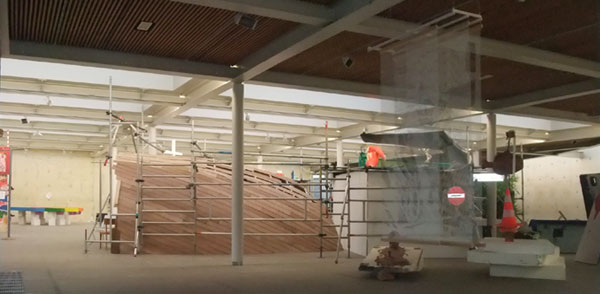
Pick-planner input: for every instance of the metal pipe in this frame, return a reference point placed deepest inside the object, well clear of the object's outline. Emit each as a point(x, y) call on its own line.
point(266, 154)
point(491, 186)
point(264, 234)
point(110, 158)
point(9, 202)
point(258, 198)
point(237, 174)
point(259, 163)
point(259, 219)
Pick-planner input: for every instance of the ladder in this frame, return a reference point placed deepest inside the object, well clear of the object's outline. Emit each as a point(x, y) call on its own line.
point(144, 202)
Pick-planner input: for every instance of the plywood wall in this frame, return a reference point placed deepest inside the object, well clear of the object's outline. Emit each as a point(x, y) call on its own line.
point(218, 208)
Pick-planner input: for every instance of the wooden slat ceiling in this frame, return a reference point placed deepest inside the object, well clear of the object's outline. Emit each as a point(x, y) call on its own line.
point(520, 22)
point(589, 104)
point(205, 34)
point(181, 30)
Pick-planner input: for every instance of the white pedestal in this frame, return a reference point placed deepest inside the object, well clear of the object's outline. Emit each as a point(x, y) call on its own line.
point(21, 217)
point(61, 219)
point(533, 259)
point(51, 218)
point(36, 218)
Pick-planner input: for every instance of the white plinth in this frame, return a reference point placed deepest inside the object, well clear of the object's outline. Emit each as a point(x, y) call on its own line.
point(51, 218)
point(61, 219)
point(21, 217)
point(554, 271)
point(36, 218)
point(533, 259)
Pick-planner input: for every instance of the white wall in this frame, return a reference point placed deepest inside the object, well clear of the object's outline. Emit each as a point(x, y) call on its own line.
point(70, 177)
point(552, 184)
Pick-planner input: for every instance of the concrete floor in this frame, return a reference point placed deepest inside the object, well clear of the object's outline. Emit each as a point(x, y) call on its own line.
point(52, 261)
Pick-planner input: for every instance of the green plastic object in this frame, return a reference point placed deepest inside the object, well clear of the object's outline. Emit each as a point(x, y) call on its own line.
point(54, 209)
point(362, 159)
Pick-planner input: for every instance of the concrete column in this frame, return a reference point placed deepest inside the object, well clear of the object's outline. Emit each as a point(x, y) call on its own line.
point(339, 147)
point(152, 139)
point(237, 199)
point(259, 159)
point(491, 186)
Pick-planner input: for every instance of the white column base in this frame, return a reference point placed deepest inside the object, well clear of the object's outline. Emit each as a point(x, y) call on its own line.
point(21, 217)
point(51, 218)
point(36, 218)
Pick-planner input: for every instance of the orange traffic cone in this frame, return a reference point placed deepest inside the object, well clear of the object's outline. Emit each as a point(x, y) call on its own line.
point(509, 223)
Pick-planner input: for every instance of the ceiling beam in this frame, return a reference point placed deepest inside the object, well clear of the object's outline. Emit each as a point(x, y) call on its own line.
point(562, 92)
point(554, 114)
point(117, 60)
point(4, 29)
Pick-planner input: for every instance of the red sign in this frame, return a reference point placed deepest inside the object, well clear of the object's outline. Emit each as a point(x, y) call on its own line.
point(456, 195)
point(4, 160)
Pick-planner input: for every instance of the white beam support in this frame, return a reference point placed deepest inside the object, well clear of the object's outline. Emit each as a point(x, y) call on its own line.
point(237, 173)
point(339, 148)
point(491, 188)
point(4, 29)
point(563, 92)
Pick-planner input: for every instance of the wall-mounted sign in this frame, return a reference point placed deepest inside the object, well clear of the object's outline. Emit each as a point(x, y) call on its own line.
point(456, 195)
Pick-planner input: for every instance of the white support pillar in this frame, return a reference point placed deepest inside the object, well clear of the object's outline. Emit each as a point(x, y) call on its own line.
point(237, 199)
point(491, 186)
point(259, 159)
point(339, 147)
point(152, 139)
point(113, 183)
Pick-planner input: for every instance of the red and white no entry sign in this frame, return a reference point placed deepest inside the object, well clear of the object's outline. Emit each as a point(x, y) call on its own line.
point(456, 195)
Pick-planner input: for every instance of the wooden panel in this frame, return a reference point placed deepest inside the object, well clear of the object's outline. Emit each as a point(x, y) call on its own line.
point(325, 59)
point(212, 244)
point(180, 30)
point(589, 104)
point(510, 78)
point(514, 21)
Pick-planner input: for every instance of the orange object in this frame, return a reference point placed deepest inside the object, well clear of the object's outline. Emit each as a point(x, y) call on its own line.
point(509, 220)
point(373, 155)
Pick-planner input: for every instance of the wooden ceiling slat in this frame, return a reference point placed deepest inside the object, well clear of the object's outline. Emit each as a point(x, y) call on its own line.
point(110, 25)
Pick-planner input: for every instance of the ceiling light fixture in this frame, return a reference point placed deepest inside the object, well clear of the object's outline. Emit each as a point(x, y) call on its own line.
point(181, 96)
point(547, 133)
point(145, 26)
point(338, 131)
point(235, 66)
point(399, 118)
point(150, 115)
point(245, 20)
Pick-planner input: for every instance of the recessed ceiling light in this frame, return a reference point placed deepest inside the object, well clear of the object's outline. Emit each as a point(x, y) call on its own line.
point(547, 133)
point(181, 96)
point(488, 100)
point(234, 66)
point(474, 143)
point(150, 115)
point(338, 131)
point(258, 147)
point(399, 118)
point(145, 26)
